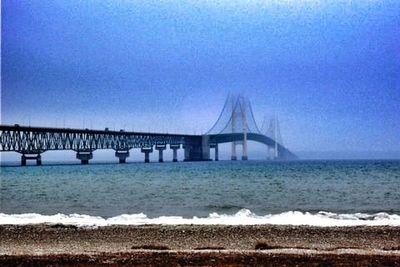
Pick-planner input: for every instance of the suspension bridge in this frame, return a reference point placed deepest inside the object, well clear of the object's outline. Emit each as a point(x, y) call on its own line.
point(235, 125)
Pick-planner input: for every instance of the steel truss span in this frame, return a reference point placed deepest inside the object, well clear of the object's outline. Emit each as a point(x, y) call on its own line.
point(31, 140)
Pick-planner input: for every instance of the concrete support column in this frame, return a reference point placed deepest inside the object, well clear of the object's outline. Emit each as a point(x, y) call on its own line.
point(84, 156)
point(216, 152)
point(197, 148)
point(36, 157)
point(187, 152)
point(160, 155)
point(271, 153)
point(160, 149)
point(205, 147)
point(193, 153)
point(233, 157)
point(174, 155)
point(122, 155)
point(174, 152)
point(147, 151)
point(245, 155)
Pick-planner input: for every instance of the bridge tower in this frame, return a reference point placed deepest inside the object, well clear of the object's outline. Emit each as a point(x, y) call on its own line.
point(239, 125)
point(239, 118)
point(234, 143)
point(273, 132)
point(236, 119)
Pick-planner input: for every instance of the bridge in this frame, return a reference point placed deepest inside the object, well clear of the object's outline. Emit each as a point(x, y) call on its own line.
point(236, 125)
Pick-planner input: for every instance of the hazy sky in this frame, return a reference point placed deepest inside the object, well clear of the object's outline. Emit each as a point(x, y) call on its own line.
point(330, 70)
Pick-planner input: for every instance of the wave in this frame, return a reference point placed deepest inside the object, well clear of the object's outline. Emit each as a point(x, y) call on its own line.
point(242, 217)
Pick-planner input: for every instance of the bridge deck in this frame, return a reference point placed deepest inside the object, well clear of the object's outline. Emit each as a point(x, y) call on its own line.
point(36, 140)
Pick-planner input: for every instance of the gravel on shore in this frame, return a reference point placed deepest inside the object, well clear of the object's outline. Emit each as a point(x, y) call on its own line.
point(199, 245)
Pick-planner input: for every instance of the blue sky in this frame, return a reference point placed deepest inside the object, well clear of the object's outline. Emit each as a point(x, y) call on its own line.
point(330, 70)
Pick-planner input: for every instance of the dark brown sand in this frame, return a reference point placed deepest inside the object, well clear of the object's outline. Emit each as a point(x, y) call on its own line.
point(197, 245)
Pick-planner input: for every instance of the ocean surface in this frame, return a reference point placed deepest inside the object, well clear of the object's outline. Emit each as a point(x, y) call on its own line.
point(321, 193)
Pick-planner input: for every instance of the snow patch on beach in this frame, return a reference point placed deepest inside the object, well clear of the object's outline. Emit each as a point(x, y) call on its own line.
point(242, 217)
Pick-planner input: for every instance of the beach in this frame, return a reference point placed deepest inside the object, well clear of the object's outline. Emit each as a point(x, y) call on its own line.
point(195, 245)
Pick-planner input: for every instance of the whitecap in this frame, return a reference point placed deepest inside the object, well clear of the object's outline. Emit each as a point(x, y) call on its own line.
point(242, 217)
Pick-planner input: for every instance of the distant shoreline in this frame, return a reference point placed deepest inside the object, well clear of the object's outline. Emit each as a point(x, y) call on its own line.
point(185, 244)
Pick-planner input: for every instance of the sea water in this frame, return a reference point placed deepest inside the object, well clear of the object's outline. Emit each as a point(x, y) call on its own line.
point(323, 193)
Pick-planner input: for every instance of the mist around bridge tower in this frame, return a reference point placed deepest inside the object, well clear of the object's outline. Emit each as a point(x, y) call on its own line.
point(327, 71)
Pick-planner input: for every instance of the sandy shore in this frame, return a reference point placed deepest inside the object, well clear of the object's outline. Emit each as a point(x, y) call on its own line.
point(200, 245)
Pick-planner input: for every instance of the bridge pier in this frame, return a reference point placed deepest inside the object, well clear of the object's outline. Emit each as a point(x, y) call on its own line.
point(84, 156)
point(147, 151)
point(161, 149)
point(205, 147)
point(245, 155)
point(192, 153)
point(174, 152)
point(274, 154)
point(26, 157)
point(122, 155)
point(215, 146)
point(197, 149)
point(233, 157)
